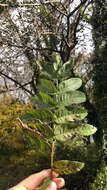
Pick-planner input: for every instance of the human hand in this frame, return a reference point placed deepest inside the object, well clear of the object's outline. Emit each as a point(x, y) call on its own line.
point(34, 181)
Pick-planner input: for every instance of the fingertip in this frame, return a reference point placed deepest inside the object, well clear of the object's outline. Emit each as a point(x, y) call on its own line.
point(52, 186)
point(60, 182)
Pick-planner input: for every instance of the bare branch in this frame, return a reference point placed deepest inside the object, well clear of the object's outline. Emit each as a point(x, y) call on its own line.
point(13, 89)
point(21, 86)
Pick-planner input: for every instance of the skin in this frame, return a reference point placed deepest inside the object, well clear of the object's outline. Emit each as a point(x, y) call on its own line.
point(34, 181)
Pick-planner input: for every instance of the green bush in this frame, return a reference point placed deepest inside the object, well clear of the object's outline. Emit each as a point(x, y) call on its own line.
point(100, 182)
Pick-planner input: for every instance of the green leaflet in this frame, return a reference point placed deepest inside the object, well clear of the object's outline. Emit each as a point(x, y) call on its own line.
point(36, 141)
point(68, 98)
point(65, 167)
point(70, 85)
point(50, 76)
point(70, 114)
point(65, 70)
point(45, 184)
point(32, 141)
point(66, 131)
point(57, 63)
point(66, 66)
point(43, 128)
point(44, 101)
point(62, 116)
point(79, 113)
point(46, 86)
point(46, 67)
point(45, 75)
point(37, 114)
point(63, 132)
point(86, 130)
point(47, 71)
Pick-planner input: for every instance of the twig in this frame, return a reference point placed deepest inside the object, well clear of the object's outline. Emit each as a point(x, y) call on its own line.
point(25, 126)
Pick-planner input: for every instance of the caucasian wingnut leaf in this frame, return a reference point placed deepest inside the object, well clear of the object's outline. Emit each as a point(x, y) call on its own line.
point(65, 167)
